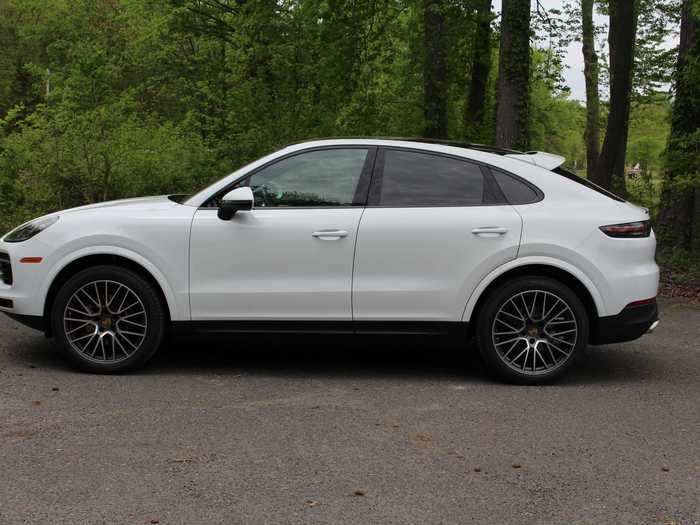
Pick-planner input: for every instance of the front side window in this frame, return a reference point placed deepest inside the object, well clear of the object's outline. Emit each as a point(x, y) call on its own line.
point(419, 179)
point(315, 178)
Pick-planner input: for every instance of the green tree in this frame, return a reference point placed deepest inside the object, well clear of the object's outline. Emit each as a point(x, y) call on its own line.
point(591, 75)
point(475, 113)
point(513, 76)
point(679, 218)
point(435, 73)
point(103, 99)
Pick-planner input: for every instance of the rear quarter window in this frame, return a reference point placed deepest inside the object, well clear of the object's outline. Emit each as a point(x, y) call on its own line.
point(515, 190)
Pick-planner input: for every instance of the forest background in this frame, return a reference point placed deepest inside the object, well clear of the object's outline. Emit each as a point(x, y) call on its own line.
point(105, 99)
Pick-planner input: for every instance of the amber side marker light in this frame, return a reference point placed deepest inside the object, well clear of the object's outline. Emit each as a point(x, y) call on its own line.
point(31, 260)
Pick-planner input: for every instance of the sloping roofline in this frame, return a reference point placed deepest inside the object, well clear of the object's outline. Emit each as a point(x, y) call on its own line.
point(501, 158)
point(442, 142)
point(543, 159)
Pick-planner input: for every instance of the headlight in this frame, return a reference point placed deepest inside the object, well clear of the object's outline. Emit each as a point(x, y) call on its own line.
point(30, 229)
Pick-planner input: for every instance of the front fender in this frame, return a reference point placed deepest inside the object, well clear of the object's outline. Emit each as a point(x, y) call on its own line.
point(178, 309)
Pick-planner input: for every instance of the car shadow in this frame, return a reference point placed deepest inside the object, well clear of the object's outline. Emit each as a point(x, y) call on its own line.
point(35, 351)
point(618, 364)
point(428, 358)
point(327, 356)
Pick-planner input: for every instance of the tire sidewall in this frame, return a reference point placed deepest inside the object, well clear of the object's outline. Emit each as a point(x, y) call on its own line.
point(494, 302)
point(141, 287)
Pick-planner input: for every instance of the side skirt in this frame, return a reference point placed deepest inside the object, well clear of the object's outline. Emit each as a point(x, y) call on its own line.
point(320, 327)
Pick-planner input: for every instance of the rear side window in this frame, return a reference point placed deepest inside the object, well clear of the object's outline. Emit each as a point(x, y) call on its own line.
point(516, 191)
point(419, 179)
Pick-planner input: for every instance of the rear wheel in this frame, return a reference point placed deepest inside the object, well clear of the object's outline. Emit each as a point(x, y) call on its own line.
point(532, 330)
point(108, 319)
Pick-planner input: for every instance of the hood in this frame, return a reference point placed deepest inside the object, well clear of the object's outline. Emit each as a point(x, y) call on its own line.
point(141, 203)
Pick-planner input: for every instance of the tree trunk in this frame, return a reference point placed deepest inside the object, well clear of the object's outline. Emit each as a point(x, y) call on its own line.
point(512, 91)
point(610, 168)
point(481, 68)
point(435, 72)
point(590, 73)
point(694, 243)
point(679, 214)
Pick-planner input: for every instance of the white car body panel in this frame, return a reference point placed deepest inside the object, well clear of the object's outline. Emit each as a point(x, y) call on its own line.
point(522, 262)
point(153, 232)
point(411, 263)
point(565, 227)
point(266, 264)
point(417, 273)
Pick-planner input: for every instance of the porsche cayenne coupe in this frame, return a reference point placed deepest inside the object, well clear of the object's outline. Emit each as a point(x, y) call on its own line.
point(347, 236)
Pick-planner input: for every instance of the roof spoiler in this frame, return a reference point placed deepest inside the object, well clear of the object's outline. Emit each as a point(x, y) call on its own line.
point(548, 161)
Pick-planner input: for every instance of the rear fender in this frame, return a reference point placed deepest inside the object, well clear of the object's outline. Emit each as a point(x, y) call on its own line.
point(529, 261)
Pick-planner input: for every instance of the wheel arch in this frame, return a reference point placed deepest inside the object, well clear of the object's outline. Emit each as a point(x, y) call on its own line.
point(84, 261)
point(569, 276)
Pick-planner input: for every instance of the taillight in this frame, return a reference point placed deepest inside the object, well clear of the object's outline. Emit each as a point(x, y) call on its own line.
point(628, 230)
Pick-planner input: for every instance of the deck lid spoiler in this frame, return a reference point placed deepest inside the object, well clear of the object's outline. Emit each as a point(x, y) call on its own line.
point(548, 161)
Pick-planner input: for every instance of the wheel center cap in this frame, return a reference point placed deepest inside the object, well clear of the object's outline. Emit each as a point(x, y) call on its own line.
point(106, 323)
point(533, 331)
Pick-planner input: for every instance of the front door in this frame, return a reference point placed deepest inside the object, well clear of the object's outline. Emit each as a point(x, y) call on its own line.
point(291, 257)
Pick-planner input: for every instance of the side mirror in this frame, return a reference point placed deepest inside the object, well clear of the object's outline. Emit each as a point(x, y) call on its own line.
point(240, 199)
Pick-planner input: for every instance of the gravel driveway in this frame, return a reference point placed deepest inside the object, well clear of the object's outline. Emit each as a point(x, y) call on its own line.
point(343, 430)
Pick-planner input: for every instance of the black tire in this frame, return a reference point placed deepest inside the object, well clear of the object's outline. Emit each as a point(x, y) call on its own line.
point(494, 348)
point(150, 336)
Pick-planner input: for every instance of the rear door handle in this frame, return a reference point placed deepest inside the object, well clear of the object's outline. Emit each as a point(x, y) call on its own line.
point(490, 231)
point(330, 235)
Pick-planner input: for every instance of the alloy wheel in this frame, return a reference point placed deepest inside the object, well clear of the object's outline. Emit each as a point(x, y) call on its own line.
point(105, 321)
point(534, 332)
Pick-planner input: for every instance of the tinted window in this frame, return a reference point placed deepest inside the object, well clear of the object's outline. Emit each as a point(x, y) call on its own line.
point(420, 179)
point(516, 191)
point(317, 178)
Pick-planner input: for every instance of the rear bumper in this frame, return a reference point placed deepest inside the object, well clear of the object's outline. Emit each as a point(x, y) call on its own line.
point(631, 323)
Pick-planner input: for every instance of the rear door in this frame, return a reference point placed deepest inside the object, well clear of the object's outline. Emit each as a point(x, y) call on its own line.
point(434, 227)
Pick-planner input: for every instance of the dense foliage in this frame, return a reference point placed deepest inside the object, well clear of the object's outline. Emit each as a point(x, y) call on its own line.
point(103, 99)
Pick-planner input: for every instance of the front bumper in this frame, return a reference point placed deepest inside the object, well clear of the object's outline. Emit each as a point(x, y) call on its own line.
point(631, 323)
point(21, 293)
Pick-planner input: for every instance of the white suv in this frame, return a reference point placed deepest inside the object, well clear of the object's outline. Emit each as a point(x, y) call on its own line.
point(349, 235)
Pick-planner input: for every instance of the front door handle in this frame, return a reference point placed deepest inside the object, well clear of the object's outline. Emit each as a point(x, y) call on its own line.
point(490, 231)
point(330, 235)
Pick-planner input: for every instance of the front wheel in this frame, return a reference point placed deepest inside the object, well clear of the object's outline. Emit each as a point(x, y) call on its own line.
point(532, 330)
point(108, 319)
